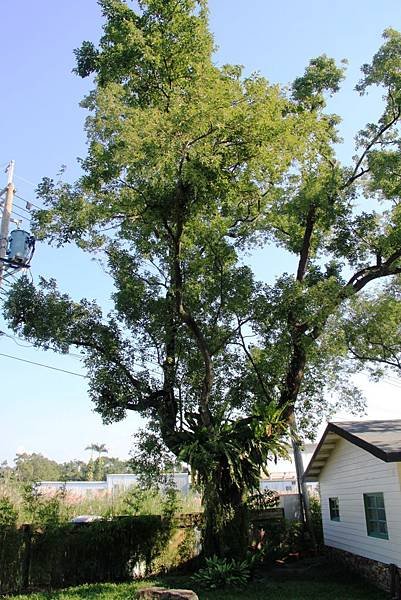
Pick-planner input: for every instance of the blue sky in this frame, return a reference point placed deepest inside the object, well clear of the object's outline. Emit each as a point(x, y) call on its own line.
point(42, 128)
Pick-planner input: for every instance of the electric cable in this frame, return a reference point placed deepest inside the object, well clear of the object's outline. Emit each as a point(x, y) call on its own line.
point(25, 180)
point(14, 212)
point(28, 201)
point(11, 337)
point(21, 208)
point(73, 354)
point(31, 362)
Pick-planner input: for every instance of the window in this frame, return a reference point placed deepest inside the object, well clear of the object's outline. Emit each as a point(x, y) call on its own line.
point(334, 509)
point(375, 513)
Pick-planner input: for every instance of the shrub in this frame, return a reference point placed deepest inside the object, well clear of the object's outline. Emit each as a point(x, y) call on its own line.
point(316, 516)
point(63, 554)
point(96, 552)
point(8, 513)
point(222, 573)
point(44, 510)
point(11, 547)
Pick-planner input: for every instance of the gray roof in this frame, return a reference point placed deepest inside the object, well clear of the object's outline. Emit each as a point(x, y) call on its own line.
point(380, 438)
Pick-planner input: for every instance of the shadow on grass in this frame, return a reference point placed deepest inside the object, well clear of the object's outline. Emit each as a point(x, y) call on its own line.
point(324, 582)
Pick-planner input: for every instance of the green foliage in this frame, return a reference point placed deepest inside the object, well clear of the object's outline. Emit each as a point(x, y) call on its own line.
point(235, 453)
point(43, 511)
point(188, 546)
point(34, 508)
point(371, 330)
point(66, 554)
point(136, 498)
point(322, 75)
point(263, 500)
point(8, 513)
point(220, 573)
point(10, 546)
point(150, 459)
point(35, 467)
point(282, 539)
point(316, 515)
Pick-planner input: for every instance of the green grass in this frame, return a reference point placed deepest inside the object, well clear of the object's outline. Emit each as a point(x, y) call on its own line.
point(328, 587)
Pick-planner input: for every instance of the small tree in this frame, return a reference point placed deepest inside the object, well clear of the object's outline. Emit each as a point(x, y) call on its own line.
point(95, 468)
point(30, 468)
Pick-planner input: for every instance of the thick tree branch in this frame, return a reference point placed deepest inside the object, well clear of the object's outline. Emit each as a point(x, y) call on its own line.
point(183, 313)
point(306, 243)
point(368, 358)
point(360, 279)
point(136, 383)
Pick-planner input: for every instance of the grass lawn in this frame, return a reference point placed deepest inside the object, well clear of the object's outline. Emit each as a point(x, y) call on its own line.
point(325, 587)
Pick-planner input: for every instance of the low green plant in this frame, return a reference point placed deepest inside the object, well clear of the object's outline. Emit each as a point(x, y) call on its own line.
point(8, 513)
point(316, 516)
point(40, 508)
point(44, 511)
point(10, 546)
point(139, 500)
point(220, 573)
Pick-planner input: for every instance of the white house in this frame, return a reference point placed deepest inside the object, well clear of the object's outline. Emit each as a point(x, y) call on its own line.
point(358, 467)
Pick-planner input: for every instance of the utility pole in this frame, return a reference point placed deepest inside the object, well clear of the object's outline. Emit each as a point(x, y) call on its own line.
point(5, 221)
point(302, 487)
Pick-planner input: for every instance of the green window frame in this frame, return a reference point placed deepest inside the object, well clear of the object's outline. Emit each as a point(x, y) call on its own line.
point(334, 507)
point(375, 514)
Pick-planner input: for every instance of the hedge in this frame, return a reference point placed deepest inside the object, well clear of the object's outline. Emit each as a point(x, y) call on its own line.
point(71, 554)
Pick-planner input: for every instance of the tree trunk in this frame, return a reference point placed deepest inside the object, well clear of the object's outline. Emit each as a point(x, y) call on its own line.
point(226, 525)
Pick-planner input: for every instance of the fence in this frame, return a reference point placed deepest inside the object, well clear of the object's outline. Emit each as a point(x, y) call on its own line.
point(107, 550)
point(71, 554)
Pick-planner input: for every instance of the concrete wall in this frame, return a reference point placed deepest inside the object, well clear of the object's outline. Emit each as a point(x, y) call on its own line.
point(114, 483)
point(291, 505)
point(76, 487)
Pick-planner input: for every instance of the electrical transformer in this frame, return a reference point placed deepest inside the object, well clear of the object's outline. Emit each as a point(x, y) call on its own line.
point(20, 247)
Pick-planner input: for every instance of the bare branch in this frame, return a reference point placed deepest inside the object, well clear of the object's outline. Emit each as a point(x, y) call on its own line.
point(254, 366)
point(355, 175)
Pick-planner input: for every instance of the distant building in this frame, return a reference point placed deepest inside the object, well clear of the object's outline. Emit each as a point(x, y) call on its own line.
point(282, 479)
point(282, 476)
point(115, 483)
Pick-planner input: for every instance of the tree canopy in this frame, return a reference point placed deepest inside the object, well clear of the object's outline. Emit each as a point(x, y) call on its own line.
point(189, 166)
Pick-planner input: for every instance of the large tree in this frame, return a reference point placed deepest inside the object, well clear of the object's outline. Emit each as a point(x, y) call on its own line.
point(182, 158)
point(188, 166)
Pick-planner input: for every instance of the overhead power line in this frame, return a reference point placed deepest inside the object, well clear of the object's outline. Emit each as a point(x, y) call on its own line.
point(28, 201)
point(43, 365)
point(26, 181)
point(22, 208)
point(14, 339)
point(14, 212)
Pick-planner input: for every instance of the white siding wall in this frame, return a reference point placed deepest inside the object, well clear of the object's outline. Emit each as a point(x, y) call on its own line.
point(349, 473)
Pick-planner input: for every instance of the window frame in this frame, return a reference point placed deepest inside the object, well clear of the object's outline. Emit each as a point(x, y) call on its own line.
point(334, 510)
point(373, 524)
